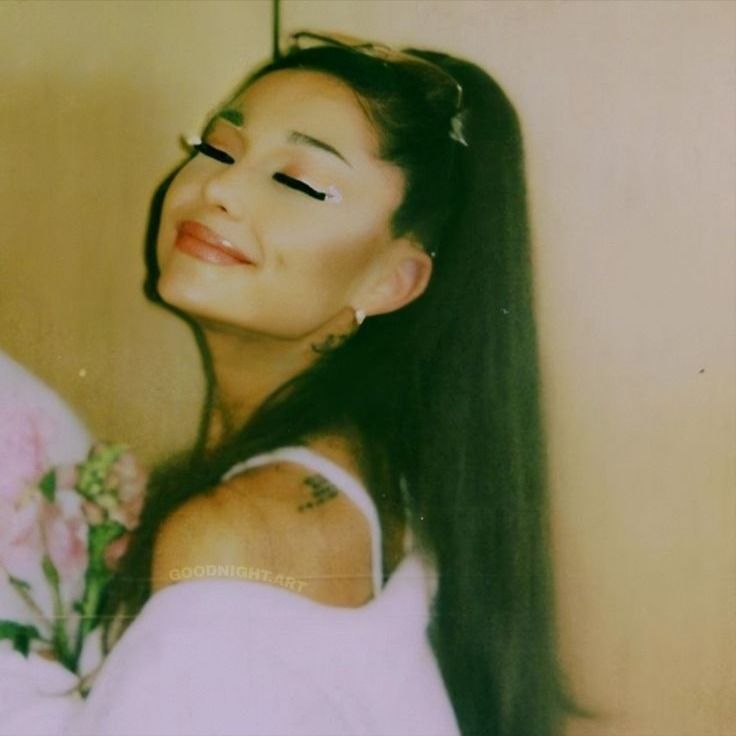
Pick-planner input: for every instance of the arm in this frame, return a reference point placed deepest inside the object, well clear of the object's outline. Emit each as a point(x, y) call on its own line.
point(221, 657)
point(279, 521)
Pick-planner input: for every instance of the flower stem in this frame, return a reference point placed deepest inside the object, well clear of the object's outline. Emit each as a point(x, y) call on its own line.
point(88, 611)
point(96, 578)
point(59, 635)
point(21, 588)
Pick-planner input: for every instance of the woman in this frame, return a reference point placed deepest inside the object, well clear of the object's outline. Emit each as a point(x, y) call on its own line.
point(349, 242)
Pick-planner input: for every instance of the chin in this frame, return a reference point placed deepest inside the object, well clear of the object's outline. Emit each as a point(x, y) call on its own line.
point(190, 302)
point(182, 295)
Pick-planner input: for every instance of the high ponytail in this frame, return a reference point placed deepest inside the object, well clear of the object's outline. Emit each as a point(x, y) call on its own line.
point(444, 395)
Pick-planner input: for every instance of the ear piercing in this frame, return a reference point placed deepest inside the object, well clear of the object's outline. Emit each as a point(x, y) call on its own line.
point(359, 316)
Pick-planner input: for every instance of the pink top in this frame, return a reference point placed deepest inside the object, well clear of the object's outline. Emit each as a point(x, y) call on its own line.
point(236, 657)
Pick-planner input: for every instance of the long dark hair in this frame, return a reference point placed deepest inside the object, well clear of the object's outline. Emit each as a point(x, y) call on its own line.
point(444, 395)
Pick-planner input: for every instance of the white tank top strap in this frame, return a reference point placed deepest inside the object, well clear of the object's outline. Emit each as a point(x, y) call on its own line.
point(341, 479)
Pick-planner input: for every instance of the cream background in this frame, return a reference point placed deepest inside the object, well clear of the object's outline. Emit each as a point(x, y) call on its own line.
point(629, 111)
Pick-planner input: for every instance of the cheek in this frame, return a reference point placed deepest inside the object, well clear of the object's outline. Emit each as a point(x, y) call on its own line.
point(308, 287)
point(180, 193)
point(343, 265)
point(327, 269)
point(330, 244)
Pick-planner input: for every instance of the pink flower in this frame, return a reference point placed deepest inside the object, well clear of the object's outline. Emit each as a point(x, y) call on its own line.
point(65, 533)
point(22, 452)
point(66, 476)
point(129, 477)
point(128, 513)
point(94, 513)
point(21, 544)
point(115, 550)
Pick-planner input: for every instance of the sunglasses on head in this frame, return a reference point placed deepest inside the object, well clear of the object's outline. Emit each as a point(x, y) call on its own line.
point(302, 40)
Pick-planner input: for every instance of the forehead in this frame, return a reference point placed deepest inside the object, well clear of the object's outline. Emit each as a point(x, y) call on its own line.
point(312, 102)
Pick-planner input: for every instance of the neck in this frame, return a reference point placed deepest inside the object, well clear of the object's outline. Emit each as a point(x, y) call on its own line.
point(246, 369)
point(244, 372)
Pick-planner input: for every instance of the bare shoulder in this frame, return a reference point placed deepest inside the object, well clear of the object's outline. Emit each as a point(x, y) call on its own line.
point(284, 523)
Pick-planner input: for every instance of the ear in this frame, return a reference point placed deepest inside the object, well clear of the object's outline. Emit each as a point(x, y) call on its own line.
point(403, 277)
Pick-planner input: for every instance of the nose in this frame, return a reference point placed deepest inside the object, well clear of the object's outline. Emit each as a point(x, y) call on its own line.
point(227, 190)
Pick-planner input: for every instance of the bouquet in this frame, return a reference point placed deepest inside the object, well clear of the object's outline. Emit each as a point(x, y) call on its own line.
point(61, 538)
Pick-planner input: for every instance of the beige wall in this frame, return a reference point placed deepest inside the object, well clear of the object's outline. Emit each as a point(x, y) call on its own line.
point(629, 111)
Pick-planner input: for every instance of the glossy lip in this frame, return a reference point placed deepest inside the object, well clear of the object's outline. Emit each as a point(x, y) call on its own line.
point(198, 240)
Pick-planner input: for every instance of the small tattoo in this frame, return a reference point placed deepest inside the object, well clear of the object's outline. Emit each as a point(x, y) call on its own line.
point(322, 491)
point(331, 342)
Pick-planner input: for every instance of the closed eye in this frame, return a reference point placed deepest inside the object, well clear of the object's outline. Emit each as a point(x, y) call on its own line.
point(213, 152)
point(218, 155)
point(299, 185)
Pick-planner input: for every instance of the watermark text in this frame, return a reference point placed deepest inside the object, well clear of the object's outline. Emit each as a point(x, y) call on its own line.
point(237, 571)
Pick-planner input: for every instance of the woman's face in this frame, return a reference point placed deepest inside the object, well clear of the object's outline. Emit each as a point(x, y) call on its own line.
point(308, 258)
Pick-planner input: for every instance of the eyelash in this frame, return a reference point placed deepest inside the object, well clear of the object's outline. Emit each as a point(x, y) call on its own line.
point(218, 155)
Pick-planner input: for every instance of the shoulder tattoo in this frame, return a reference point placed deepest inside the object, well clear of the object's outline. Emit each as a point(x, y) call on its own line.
point(321, 491)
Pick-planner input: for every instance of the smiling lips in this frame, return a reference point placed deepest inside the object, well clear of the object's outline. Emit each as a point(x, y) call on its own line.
point(200, 242)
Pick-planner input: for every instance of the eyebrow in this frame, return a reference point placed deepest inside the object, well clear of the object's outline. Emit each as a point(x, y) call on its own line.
point(236, 117)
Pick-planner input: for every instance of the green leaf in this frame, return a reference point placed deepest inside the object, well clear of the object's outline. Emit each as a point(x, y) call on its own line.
point(100, 535)
point(50, 571)
point(21, 635)
point(48, 485)
point(18, 583)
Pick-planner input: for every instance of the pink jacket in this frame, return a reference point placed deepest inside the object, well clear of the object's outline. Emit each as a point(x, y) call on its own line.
point(240, 657)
